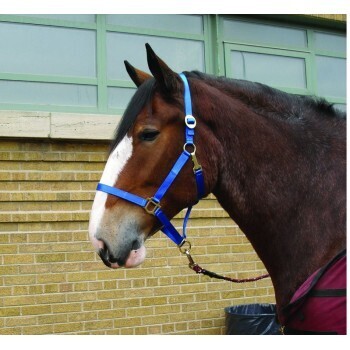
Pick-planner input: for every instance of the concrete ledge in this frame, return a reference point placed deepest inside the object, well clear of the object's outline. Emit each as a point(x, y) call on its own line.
point(23, 124)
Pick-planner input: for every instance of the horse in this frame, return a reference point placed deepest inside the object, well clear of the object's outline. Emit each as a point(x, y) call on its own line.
point(276, 162)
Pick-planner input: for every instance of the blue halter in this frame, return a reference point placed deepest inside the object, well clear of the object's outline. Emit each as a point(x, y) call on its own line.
point(152, 205)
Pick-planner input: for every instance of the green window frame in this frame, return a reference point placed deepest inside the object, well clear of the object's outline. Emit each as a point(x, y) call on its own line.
point(101, 81)
point(106, 28)
point(37, 78)
point(275, 53)
point(216, 51)
point(309, 53)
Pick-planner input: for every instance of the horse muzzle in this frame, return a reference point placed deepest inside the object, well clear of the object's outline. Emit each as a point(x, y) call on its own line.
point(131, 258)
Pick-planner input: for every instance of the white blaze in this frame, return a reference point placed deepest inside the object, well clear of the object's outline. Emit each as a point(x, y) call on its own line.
point(115, 164)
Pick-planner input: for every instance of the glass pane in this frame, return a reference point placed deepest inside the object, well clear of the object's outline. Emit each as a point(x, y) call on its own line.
point(35, 49)
point(20, 92)
point(179, 54)
point(330, 42)
point(277, 71)
point(174, 23)
point(340, 106)
point(71, 17)
point(247, 32)
point(331, 76)
point(119, 97)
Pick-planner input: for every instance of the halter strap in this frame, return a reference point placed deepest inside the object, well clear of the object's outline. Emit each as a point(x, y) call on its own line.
point(181, 161)
point(122, 194)
point(152, 205)
point(187, 95)
point(190, 120)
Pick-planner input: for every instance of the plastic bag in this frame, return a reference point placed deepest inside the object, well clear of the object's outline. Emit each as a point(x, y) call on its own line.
point(252, 319)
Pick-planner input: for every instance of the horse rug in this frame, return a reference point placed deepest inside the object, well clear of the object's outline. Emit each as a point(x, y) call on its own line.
point(319, 305)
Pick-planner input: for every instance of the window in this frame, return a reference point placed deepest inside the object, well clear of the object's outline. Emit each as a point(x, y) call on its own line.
point(330, 65)
point(294, 59)
point(246, 63)
point(263, 34)
point(74, 63)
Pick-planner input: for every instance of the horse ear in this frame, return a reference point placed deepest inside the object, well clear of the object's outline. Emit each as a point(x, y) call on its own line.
point(168, 80)
point(136, 75)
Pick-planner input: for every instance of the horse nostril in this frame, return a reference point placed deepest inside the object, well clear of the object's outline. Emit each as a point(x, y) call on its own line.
point(98, 243)
point(104, 255)
point(108, 258)
point(135, 245)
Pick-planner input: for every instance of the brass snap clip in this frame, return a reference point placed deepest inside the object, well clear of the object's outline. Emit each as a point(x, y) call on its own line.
point(196, 165)
point(186, 251)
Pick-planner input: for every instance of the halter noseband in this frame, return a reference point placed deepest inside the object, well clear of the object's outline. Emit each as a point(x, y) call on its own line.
point(152, 205)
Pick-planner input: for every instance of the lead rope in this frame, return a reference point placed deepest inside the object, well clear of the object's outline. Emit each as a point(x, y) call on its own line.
point(191, 122)
point(199, 270)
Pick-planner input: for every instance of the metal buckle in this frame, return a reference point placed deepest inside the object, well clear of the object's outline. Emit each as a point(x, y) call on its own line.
point(151, 206)
point(190, 121)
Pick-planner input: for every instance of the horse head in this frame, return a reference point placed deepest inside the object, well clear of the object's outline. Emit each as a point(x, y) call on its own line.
point(149, 139)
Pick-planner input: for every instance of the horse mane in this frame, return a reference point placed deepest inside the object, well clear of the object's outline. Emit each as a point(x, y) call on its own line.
point(271, 102)
point(263, 99)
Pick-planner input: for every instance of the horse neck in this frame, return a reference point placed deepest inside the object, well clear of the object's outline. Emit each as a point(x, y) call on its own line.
point(269, 187)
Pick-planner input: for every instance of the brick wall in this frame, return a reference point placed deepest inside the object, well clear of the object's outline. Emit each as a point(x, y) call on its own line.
point(51, 280)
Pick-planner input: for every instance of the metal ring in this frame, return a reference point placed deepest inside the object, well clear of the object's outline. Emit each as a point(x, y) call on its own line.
point(190, 144)
point(184, 250)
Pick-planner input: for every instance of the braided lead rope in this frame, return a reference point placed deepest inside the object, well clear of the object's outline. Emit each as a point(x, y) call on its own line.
point(199, 270)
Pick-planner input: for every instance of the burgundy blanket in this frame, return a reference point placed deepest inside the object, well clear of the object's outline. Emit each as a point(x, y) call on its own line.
point(319, 305)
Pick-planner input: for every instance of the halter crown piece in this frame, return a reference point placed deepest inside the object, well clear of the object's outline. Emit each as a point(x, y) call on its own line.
point(152, 205)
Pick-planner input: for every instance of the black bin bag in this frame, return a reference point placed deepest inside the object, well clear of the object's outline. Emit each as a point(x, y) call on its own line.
point(251, 319)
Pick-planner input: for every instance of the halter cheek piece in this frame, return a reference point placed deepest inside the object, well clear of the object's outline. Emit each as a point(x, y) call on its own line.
point(152, 205)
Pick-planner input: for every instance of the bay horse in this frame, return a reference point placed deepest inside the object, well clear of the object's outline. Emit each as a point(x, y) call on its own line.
point(276, 162)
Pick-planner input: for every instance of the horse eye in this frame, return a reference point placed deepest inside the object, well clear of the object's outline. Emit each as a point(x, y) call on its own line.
point(149, 135)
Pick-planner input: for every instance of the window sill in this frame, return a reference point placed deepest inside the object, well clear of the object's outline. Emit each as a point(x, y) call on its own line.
point(52, 125)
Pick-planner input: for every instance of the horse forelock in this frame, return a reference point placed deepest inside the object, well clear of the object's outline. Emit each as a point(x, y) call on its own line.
point(140, 99)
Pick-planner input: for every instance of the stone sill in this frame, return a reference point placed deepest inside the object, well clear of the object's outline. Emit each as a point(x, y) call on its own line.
point(55, 125)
